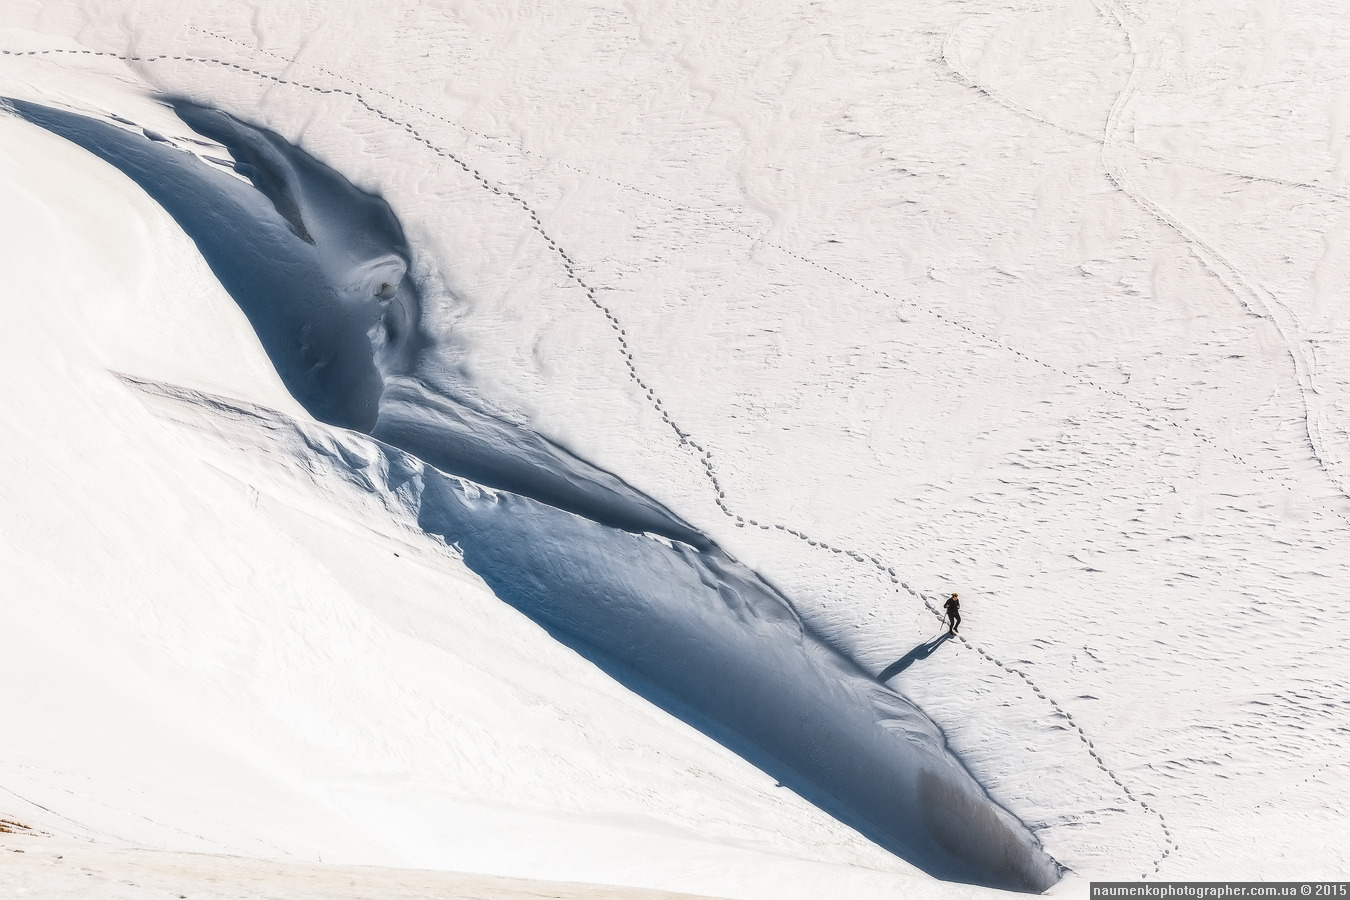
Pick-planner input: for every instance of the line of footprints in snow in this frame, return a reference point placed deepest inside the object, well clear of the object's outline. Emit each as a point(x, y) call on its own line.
point(704, 456)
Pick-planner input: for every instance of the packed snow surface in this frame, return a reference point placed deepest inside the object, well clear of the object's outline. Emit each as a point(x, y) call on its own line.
point(1040, 304)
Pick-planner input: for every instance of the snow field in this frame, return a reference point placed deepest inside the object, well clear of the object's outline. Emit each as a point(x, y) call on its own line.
point(1014, 375)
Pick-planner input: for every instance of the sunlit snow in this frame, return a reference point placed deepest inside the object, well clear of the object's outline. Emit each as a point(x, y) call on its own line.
point(585, 513)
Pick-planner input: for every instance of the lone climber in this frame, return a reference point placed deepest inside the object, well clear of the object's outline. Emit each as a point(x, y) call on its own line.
point(953, 608)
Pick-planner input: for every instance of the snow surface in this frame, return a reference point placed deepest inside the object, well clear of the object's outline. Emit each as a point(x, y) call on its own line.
point(676, 620)
point(216, 657)
point(55, 869)
point(1039, 303)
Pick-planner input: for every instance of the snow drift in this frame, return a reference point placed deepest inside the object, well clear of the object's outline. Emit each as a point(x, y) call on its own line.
point(320, 270)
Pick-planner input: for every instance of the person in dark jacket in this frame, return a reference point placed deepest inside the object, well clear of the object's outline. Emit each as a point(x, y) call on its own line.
point(953, 608)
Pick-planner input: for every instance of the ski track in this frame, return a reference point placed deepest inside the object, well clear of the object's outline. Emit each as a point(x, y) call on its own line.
point(1281, 318)
point(1249, 293)
point(704, 456)
point(997, 96)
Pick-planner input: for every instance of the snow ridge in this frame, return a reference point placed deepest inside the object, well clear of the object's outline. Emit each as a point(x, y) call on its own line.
point(678, 621)
point(403, 437)
point(692, 630)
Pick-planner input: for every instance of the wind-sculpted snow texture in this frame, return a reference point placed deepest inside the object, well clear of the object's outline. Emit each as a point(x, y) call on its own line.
point(320, 269)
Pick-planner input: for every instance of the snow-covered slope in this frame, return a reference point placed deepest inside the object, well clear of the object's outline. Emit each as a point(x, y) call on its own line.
point(1042, 305)
point(668, 613)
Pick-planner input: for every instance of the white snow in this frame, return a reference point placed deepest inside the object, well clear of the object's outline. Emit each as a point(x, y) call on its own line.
point(1044, 304)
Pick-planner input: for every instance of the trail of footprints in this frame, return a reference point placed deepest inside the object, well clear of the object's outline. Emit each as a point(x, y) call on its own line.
point(703, 455)
point(1278, 795)
point(1171, 843)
